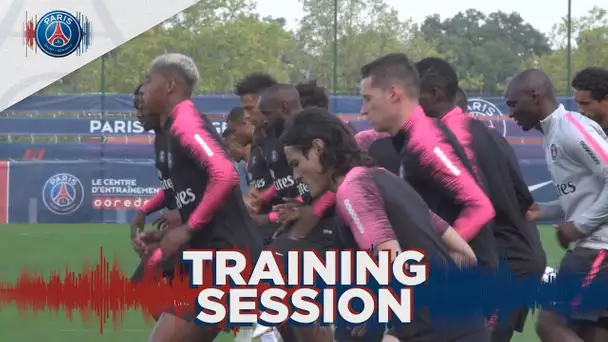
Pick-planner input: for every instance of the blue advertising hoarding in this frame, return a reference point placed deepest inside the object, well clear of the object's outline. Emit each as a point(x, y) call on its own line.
point(110, 191)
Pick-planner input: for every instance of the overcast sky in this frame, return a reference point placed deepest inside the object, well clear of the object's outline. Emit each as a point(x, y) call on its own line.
point(540, 13)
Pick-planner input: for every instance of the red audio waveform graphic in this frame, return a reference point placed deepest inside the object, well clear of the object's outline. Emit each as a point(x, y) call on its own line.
point(29, 34)
point(102, 292)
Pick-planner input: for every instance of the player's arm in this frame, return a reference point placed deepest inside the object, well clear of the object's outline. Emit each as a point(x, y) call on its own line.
point(551, 211)
point(477, 210)
point(450, 238)
point(156, 203)
point(361, 207)
point(207, 153)
point(310, 215)
point(366, 138)
point(586, 146)
point(524, 196)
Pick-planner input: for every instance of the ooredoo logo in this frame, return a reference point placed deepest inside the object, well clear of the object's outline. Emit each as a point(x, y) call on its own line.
point(63, 194)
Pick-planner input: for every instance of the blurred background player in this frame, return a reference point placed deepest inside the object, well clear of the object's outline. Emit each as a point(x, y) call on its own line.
point(577, 155)
point(266, 229)
point(164, 198)
point(205, 183)
point(325, 156)
point(257, 175)
point(432, 161)
point(591, 94)
point(515, 239)
point(248, 90)
point(312, 95)
point(307, 218)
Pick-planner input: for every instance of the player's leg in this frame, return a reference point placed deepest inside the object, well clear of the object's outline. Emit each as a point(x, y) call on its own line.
point(565, 320)
point(503, 331)
point(170, 328)
point(290, 333)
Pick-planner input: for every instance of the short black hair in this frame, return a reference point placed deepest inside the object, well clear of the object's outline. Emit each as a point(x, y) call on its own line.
point(461, 100)
point(341, 152)
point(312, 95)
point(391, 68)
point(236, 114)
point(254, 84)
point(438, 73)
point(594, 80)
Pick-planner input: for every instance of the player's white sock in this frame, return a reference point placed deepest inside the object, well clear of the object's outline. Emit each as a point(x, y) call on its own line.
point(244, 334)
point(269, 337)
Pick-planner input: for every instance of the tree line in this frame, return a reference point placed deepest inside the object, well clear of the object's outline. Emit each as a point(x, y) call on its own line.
point(228, 40)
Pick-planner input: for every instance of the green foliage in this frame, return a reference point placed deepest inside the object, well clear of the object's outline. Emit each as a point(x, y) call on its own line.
point(227, 41)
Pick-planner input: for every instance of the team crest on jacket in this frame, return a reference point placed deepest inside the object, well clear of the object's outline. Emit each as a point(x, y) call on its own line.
point(553, 150)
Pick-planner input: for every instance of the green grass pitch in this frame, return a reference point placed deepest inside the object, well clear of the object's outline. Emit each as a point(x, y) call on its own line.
point(50, 247)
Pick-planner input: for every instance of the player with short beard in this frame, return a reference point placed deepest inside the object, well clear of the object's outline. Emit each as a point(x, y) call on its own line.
point(205, 183)
point(591, 93)
point(576, 153)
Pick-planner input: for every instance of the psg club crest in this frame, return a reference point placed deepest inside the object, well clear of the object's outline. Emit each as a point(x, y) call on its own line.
point(553, 149)
point(489, 113)
point(58, 33)
point(63, 194)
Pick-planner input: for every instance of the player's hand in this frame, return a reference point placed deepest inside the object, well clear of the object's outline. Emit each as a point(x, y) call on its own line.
point(137, 227)
point(175, 239)
point(287, 212)
point(462, 260)
point(253, 201)
point(169, 218)
point(567, 233)
point(533, 213)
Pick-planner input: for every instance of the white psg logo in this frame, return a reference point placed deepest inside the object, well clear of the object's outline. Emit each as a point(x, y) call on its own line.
point(252, 161)
point(161, 156)
point(169, 160)
point(274, 157)
point(481, 107)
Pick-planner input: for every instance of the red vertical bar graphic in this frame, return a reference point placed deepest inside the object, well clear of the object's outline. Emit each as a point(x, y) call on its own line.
point(4, 188)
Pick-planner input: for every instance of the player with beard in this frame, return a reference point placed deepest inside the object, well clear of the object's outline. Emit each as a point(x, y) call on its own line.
point(576, 153)
point(325, 156)
point(143, 242)
point(205, 183)
point(515, 239)
point(308, 225)
point(432, 161)
point(591, 93)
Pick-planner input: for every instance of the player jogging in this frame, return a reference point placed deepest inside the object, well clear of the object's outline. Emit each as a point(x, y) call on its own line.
point(432, 161)
point(308, 223)
point(144, 242)
point(431, 158)
point(576, 152)
point(249, 129)
point(382, 211)
point(591, 94)
point(205, 183)
point(515, 239)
